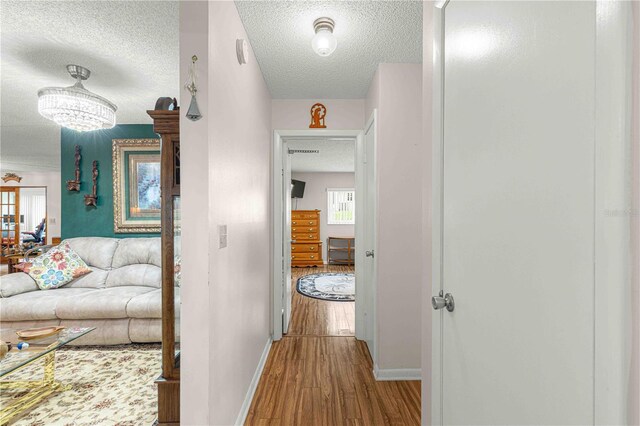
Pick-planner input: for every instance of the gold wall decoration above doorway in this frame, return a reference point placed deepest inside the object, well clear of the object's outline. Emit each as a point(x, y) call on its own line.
point(11, 177)
point(318, 113)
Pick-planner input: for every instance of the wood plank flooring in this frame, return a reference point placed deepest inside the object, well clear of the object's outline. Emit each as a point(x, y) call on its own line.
point(327, 381)
point(320, 375)
point(315, 317)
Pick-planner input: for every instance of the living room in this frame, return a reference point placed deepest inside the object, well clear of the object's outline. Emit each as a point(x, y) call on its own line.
point(81, 205)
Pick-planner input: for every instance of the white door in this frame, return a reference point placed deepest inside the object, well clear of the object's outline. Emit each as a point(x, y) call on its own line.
point(286, 247)
point(366, 230)
point(514, 209)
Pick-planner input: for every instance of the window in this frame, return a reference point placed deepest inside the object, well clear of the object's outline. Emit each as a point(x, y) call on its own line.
point(341, 206)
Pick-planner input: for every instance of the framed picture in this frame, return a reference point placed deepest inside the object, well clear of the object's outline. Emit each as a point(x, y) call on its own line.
point(136, 185)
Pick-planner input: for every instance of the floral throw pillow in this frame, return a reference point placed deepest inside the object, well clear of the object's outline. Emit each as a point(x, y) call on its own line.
point(57, 267)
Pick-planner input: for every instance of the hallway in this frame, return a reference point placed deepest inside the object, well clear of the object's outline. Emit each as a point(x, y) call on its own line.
point(319, 374)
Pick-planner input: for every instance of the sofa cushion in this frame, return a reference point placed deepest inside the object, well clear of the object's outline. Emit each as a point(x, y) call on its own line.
point(96, 279)
point(106, 303)
point(149, 305)
point(135, 275)
point(39, 305)
point(17, 283)
point(95, 251)
point(57, 267)
point(133, 251)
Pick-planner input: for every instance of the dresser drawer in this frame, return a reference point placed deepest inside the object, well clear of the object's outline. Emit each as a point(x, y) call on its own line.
point(304, 215)
point(308, 236)
point(304, 229)
point(304, 222)
point(305, 256)
point(304, 248)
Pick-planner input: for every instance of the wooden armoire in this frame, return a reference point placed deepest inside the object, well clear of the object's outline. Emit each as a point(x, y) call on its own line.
point(167, 125)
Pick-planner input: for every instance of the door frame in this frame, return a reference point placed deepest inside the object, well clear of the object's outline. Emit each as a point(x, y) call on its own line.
point(277, 212)
point(367, 327)
point(612, 322)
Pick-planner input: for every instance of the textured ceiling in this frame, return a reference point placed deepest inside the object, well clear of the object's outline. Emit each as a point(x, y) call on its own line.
point(131, 48)
point(368, 33)
point(336, 155)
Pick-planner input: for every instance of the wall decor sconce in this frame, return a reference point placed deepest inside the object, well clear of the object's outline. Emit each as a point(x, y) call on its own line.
point(74, 185)
point(318, 113)
point(193, 113)
point(11, 177)
point(92, 199)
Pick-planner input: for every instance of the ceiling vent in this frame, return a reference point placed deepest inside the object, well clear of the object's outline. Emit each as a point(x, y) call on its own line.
point(304, 151)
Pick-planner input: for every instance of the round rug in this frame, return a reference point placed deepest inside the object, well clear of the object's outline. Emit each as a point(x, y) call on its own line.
point(334, 287)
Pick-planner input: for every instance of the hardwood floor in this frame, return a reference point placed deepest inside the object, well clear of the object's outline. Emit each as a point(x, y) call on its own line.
point(319, 374)
point(318, 317)
point(327, 381)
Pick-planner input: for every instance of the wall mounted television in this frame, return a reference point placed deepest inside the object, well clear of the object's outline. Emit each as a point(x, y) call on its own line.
point(297, 188)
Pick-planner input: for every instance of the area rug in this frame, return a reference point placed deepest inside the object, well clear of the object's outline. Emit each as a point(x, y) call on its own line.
point(334, 287)
point(111, 386)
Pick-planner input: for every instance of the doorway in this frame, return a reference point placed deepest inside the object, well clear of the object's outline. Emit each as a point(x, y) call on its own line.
point(23, 220)
point(344, 255)
point(322, 236)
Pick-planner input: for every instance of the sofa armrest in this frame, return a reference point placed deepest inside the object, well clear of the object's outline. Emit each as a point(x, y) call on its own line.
point(17, 283)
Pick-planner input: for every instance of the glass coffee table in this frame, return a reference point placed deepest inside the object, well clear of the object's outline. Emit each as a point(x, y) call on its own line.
point(39, 349)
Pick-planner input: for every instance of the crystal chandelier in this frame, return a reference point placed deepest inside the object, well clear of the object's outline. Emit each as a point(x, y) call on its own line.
point(75, 107)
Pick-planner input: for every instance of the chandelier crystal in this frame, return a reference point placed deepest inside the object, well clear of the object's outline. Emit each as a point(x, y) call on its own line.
point(75, 107)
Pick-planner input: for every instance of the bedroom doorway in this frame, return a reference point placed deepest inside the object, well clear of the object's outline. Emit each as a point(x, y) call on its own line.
point(319, 242)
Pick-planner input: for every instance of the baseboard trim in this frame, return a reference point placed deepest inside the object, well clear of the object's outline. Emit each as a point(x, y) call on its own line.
point(397, 374)
point(244, 410)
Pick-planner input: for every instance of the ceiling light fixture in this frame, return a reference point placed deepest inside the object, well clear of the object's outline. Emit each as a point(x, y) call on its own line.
point(324, 42)
point(75, 107)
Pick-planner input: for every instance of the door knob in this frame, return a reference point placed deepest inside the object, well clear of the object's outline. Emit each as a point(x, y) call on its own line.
point(439, 302)
point(369, 253)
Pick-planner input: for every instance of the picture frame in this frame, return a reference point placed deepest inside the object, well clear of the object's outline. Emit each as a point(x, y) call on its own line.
point(136, 186)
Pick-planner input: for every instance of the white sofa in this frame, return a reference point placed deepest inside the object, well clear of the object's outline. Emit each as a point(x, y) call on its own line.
point(121, 297)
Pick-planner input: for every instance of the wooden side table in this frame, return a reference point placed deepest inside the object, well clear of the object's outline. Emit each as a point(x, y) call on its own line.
point(12, 260)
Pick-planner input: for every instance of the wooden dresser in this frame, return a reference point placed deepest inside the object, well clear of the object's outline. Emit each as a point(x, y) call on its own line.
point(306, 247)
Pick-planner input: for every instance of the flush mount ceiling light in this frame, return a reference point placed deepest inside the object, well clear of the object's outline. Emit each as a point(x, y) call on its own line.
point(75, 107)
point(324, 42)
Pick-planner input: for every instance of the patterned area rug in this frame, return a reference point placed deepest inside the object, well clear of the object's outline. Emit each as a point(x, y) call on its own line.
point(329, 286)
point(111, 386)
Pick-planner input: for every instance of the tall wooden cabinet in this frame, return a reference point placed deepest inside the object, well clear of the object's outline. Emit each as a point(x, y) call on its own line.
point(306, 246)
point(167, 125)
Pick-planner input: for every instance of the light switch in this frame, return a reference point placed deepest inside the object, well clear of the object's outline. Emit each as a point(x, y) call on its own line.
point(222, 236)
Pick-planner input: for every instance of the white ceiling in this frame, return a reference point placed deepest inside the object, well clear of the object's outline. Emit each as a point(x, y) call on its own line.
point(131, 48)
point(336, 155)
point(368, 33)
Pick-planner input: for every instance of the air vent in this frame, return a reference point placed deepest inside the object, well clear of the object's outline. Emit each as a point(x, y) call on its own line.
point(304, 151)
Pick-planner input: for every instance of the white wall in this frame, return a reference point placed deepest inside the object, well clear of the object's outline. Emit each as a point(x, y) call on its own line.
point(240, 300)
point(195, 324)
point(50, 180)
point(396, 91)
point(315, 197)
point(293, 114)
point(225, 181)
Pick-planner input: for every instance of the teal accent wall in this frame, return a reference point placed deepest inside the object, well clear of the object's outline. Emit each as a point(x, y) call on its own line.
point(78, 220)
